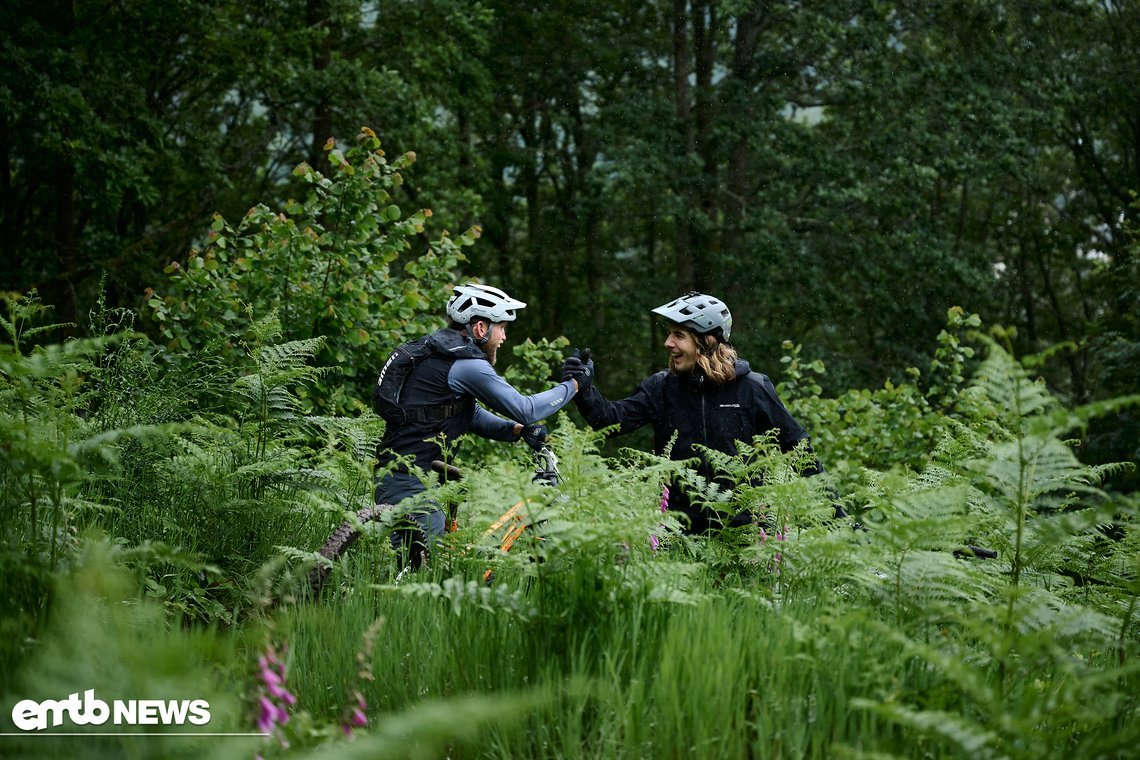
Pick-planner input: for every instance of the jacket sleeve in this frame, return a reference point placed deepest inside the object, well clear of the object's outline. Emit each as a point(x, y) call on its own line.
point(770, 413)
point(478, 378)
point(633, 412)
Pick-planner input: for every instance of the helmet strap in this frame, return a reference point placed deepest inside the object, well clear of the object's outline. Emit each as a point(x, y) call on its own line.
point(480, 342)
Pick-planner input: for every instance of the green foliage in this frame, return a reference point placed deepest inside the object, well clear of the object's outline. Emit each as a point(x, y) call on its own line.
point(1025, 630)
point(49, 448)
point(102, 636)
point(949, 367)
point(849, 172)
point(235, 488)
point(343, 263)
point(536, 364)
point(964, 152)
point(898, 425)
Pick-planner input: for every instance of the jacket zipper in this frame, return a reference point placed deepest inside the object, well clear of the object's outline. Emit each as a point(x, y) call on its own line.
point(704, 419)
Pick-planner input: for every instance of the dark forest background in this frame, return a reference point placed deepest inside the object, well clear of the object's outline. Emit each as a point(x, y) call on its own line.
point(841, 173)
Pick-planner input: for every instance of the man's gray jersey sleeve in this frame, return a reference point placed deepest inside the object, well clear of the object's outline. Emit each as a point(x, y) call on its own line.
point(479, 378)
point(492, 426)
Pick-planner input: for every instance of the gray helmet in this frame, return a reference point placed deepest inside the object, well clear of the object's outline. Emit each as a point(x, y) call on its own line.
point(473, 300)
point(702, 314)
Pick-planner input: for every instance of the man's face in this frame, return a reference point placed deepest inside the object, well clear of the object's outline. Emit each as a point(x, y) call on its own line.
point(682, 350)
point(497, 335)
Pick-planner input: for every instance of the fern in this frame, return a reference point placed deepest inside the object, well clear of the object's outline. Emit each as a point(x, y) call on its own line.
point(1020, 631)
point(460, 593)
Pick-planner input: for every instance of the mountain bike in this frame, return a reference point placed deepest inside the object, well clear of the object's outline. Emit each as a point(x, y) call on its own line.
point(517, 519)
point(512, 523)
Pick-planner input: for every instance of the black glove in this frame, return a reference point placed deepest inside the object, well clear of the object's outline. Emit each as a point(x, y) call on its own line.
point(534, 435)
point(580, 368)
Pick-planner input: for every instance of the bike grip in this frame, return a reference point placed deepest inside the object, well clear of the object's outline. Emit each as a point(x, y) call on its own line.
point(585, 355)
point(982, 553)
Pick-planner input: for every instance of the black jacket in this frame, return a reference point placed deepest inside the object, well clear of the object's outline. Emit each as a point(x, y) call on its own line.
point(699, 412)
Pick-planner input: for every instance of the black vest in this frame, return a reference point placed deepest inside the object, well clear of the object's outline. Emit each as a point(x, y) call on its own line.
point(435, 410)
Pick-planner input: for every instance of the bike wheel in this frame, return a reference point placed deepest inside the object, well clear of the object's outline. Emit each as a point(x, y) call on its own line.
point(338, 545)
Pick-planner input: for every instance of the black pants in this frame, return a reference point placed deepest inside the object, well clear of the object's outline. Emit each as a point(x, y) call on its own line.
point(420, 527)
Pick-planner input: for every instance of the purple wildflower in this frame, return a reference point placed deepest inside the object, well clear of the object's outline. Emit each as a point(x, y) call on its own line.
point(356, 717)
point(271, 715)
point(653, 542)
point(272, 701)
point(664, 498)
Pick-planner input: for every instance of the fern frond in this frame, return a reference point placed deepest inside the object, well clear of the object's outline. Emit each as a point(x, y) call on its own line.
point(461, 593)
point(1043, 612)
point(969, 738)
point(1009, 387)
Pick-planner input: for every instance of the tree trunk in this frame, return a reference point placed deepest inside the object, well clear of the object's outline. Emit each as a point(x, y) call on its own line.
point(740, 157)
point(704, 38)
point(9, 256)
point(317, 17)
point(67, 249)
point(684, 267)
point(63, 176)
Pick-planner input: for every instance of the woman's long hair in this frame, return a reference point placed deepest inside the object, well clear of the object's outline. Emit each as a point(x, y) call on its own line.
point(717, 360)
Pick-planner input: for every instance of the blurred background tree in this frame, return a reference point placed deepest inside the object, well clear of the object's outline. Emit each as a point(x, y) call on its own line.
point(840, 172)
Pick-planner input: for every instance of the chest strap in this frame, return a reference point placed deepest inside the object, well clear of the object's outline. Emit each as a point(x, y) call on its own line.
point(434, 412)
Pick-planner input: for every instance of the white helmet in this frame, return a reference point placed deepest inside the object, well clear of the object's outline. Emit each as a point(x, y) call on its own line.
point(702, 314)
point(472, 300)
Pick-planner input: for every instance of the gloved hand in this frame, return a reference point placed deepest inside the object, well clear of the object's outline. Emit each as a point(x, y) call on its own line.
point(534, 435)
point(580, 368)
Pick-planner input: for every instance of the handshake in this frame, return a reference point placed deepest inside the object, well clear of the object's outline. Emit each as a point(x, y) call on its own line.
point(579, 368)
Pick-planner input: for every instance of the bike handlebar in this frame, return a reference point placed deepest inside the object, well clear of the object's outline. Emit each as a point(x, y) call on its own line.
point(548, 466)
point(975, 552)
point(447, 471)
point(547, 469)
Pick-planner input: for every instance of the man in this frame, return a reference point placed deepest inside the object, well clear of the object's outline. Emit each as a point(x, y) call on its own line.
point(707, 396)
point(437, 404)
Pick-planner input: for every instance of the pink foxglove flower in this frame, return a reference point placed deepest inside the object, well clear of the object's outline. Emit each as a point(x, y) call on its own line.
point(356, 717)
point(274, 697)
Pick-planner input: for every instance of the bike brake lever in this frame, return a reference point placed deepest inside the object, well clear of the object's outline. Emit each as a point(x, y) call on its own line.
point(548, 469)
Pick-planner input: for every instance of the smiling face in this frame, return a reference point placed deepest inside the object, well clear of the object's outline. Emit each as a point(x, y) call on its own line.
point(682, 346)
